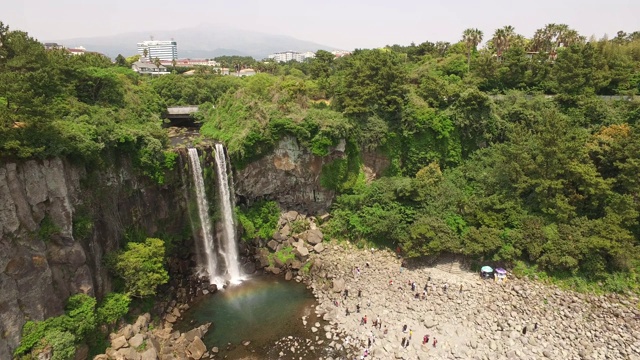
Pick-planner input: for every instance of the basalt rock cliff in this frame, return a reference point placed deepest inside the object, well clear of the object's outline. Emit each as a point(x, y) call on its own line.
point(59, 219)
point(45, 257)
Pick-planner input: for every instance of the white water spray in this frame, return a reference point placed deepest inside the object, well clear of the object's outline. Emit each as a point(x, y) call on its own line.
point(205, 222)
point(230, 253)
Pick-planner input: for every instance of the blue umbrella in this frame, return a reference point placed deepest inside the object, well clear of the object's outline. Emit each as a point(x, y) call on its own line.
point(486, 269)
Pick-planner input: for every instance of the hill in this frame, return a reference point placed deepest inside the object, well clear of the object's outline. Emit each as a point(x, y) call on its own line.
point(203, 41)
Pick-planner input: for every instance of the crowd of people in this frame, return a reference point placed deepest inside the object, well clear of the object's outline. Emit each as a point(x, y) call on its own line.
point(353, 303)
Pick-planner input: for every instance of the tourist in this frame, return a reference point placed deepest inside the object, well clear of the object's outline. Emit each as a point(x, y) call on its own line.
point(390, 282)
point(369, 343)
point(361, 321)
point(535, 327)
point(358, 308)
point(385, 330)
point(346, 293)
point(404, 340)
point(404, 328)
point(380, 325)
point(359, 293)
point(444, 287)
point(435, 341)
point(347, 312)
point(413, 286)
point(460, 288)
point(406, 344)
point(410, 334)
point(424, 339)
point(365, 319)
point(524, 330)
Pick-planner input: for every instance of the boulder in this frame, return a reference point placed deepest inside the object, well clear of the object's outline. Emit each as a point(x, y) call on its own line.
point(193, 333)
point(149, 354)
point(290, 215)
point(127, 331)
point(295, 264)
point(128, 354)
point(196, 349)
point(170, 318)
point(314, 237)
point(288, 276)
point(337, 285)
point(136, 340)
point(301, 252)
point(263, 258)
point(249, 268)
point(318, 248)
point(119, 342)
point(285, 231)
point(273, 245)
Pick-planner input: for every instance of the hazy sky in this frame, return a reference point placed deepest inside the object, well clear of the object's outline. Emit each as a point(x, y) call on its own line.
point(339, 23)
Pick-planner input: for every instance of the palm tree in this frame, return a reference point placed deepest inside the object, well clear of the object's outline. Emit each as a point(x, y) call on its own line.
point(471, 38)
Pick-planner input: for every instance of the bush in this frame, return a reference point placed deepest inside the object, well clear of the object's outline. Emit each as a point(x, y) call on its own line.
point(259, 221)
point(141, 267)
point(113, 307)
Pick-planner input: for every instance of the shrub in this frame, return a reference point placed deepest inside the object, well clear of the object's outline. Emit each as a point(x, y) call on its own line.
point(141, 267)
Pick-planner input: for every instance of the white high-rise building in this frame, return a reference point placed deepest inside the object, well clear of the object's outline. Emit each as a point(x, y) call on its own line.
point(163, 50)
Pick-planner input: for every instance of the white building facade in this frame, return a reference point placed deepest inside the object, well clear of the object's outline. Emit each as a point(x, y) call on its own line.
point(286, 56)
point(163, 50)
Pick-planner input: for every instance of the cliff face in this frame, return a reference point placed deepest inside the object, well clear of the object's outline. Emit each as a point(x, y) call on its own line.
point(42, 259)
point(290, 175)
point(58, 220)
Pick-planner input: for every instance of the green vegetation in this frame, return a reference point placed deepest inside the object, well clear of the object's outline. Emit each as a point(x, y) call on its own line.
point(79, 324)
point(259, 221)
point(298, 226)
point(83, 107)
point(141, 267)
point(508, 153)
point(283, 255)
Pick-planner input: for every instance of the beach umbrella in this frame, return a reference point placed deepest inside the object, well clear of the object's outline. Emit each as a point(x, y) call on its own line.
point(486, 269)
point(501, 271)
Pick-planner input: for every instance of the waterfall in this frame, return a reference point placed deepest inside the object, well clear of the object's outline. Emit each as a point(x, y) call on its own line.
point(205, 222)
point(230, 253)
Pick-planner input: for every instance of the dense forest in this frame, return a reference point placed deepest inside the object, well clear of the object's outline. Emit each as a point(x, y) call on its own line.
point(525, 151)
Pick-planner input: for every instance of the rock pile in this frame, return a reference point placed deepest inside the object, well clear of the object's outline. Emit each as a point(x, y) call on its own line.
point(142, 342)
point(298, 233)
point(470, 318)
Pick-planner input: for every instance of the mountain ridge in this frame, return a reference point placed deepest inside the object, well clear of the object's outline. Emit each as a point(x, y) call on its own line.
point(201, 41)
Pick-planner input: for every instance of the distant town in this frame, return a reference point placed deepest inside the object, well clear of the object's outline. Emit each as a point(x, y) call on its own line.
point(154, 57)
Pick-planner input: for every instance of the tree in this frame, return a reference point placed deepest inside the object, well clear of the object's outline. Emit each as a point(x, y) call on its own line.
point(371, 82)
point(554, 36)
point(141, 267)
point(471, 39)
point(502, 39)
point(121, 61)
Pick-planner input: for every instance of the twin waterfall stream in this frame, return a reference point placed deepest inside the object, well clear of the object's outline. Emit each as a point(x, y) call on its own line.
point(224, 246)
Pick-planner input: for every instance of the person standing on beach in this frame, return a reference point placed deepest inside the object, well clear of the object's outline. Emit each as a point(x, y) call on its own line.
point(435, 341)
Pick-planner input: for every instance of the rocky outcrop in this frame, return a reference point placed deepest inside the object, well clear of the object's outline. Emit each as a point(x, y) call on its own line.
point(291, 242)
point(143, 342)
point(43, 259)
point(289, 175)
